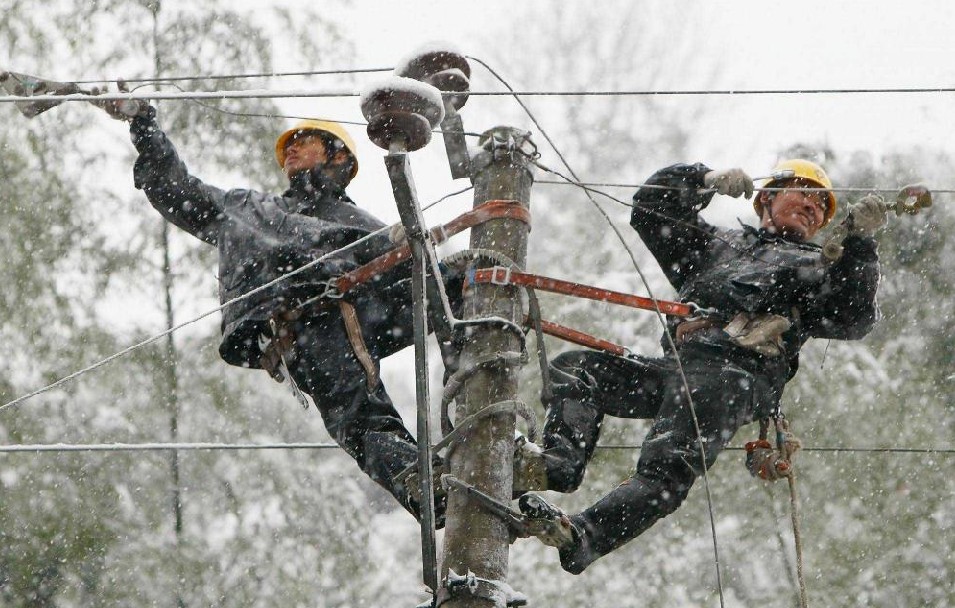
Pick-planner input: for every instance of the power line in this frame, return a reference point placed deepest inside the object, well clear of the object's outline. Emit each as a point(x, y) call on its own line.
point(293, 117)
point(209, 446)
point(148, 80)
point(636, 186)
point(154, 447)
point(298, 93)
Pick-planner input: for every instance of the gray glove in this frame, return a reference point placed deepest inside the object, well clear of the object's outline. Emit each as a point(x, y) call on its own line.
point(731, 182)
point(396, 234)
point(867, 216)
point(121, 109)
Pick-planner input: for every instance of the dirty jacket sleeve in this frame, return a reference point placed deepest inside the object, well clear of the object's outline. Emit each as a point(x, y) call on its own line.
point(180, 197)
point(844, 306)
point(667, 220)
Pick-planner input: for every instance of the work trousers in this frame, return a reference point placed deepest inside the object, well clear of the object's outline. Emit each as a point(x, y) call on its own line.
point(361, 419)
point(727, 392)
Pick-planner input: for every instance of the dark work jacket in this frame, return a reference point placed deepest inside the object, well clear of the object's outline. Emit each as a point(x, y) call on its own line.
point(263, 236)
point(754, 271)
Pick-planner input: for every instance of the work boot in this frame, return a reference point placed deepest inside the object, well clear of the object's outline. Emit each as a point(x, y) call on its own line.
point(548, 523)
point(530, 474)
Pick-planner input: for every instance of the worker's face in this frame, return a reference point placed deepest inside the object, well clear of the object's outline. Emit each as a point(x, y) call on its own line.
point(303, 152)
point(796, 213)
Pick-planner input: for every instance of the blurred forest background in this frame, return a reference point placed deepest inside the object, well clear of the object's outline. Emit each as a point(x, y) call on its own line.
point(89, 268)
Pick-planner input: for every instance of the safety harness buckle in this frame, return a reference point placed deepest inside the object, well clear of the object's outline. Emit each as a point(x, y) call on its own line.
point(699, 312)
point(330, 290)
point(502, 282)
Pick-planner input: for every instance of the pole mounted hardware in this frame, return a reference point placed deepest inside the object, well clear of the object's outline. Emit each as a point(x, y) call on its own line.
point(401, 113)
point(447, 70)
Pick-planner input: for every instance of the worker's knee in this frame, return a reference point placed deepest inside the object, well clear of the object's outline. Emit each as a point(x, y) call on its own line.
point(571, 375)
point(564, 474)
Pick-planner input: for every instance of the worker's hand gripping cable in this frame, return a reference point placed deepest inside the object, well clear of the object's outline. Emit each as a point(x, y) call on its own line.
point(870, 214)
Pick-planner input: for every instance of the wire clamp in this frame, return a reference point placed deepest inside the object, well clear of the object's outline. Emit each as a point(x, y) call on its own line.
point(456, 585)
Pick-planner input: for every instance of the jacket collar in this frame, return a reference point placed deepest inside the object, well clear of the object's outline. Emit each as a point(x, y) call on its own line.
point(312, 190)
point(765, 236)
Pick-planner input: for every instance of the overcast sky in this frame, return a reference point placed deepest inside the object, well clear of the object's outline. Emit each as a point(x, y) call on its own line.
point(757, 45)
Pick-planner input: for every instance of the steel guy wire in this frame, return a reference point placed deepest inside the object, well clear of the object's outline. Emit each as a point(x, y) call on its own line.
point(208, 313)
point(659, 314)
point(211, 446)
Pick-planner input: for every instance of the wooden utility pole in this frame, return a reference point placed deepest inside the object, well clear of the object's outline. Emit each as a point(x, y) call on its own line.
point(475, 540)
point(170, 363)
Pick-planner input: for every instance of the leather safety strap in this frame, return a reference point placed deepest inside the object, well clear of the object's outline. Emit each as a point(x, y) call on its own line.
point(580, 338)
point(506, 276)
point(490, 210)
point(353, 329)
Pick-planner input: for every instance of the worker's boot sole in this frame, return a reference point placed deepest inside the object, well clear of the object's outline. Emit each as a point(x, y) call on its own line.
point(546, 522)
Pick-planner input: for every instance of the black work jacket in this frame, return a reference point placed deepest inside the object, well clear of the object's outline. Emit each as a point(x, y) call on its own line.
point(261, 237)
point(754, 271)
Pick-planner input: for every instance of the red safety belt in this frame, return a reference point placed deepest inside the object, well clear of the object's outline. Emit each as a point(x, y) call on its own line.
point(490, 210)
point(505, 276)
point(579, 337)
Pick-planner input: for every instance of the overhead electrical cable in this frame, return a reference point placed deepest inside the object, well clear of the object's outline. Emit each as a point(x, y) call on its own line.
point(292, 117)
point(296, 93)
point(210, 446)
point(157, 79)
point(855, 189)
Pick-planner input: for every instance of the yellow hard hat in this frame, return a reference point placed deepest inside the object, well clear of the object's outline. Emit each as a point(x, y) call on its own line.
point(796, 168)
point(323, 126)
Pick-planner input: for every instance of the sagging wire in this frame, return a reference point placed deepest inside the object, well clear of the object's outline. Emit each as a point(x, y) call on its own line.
point(235, 300)
point(659, 314)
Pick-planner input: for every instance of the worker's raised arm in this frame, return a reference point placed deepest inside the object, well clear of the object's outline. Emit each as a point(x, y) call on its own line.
point(666, 218)
point(180, 197)
point(845, 308)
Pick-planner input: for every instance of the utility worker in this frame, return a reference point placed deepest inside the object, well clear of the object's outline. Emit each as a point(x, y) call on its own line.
point(330, 349)
point(769, 290)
